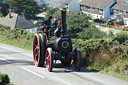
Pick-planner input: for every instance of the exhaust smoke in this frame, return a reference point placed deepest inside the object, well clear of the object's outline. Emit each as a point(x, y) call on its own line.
point(51, 3)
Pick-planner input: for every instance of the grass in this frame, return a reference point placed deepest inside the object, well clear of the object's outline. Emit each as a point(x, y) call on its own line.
point(118, 70)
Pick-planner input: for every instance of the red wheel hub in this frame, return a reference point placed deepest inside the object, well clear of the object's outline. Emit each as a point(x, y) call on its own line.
point(35, 50)
point(47, 60)
point(77, 59)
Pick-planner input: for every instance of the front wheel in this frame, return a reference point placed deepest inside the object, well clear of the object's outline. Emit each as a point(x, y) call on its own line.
point(78, 59)
point(49, 59)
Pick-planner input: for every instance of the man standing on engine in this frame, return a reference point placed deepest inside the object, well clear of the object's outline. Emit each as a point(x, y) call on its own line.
point(48, 22)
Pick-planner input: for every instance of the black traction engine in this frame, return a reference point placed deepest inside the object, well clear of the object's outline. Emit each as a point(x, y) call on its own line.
point(58, 46)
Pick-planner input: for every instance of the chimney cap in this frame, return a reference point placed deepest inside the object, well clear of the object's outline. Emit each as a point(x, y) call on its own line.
point(63, 9)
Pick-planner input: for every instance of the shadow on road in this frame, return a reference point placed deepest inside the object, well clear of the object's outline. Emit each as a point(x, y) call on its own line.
point(59, 68)
point(17, 62)
point(12, 52)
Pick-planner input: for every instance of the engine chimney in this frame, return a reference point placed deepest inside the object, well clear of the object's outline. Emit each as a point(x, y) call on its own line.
point(63, 21)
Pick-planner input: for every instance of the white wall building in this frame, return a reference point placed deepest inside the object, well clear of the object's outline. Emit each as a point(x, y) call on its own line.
point(74, 6)
point(97, 8)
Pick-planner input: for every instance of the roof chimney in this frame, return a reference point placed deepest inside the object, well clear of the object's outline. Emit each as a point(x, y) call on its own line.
point(9, 15)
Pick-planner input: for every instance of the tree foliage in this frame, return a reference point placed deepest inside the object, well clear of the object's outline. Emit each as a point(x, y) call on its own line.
point(121, 37)
point(26, 7)
point(4, 7)
point(91, 32)
point(52, 11)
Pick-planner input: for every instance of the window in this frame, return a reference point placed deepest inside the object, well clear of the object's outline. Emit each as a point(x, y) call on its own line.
point(81, 5)
point(120, 12)
point(96, 8)
point(125, 12)
point(101, 10)
point(88, 8)
point(111, 10)
point(115, 10)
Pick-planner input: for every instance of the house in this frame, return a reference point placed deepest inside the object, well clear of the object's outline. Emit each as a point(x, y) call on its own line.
point(74, 6)
point(121, 8)
point(14, 20)
point(97, 8)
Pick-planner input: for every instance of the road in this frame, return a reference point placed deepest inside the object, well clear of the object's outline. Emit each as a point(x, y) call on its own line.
point(18, 64)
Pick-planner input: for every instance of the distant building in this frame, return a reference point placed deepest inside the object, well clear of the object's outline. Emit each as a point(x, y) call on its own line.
point(97, 8)
point(74, 5)
point(14, 20)
point(121, 8)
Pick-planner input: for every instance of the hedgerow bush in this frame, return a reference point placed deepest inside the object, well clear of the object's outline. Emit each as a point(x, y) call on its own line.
point(103, 55)
point(121, 37)
point(16, 37)
point(91, 32)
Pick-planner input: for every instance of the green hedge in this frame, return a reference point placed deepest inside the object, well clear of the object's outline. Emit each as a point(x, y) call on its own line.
point(16, 37)
point(105, 55)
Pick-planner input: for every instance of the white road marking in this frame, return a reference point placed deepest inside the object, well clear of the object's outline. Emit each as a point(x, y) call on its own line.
point(5, 60)
point(32, 72)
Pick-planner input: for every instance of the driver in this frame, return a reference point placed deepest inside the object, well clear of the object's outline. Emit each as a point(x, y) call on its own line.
point(48, 22)
point(47, 26)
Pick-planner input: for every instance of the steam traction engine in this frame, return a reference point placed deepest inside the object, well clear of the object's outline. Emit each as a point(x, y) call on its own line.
point(56, 47)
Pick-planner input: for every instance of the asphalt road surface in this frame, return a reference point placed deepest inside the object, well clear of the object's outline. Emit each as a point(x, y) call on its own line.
point(18, 64)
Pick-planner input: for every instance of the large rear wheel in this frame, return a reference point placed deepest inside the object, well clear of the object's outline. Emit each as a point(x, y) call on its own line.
point(49, 59)
point(43, 48)
point(78, 59)
point(37, 51)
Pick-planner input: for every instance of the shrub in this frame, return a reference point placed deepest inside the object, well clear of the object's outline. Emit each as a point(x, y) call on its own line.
point(121, 37)
point(91, 33)
point(126, 42)
point(5, 79)
point(111, 34)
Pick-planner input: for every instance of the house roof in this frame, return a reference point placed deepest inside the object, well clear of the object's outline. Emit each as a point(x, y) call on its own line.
point(23, 23)
point(16, 21)
point(96, 3)
point(9, 21)
point(120, 5)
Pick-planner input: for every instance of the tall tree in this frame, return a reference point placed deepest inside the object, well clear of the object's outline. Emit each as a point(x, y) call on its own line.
point(4, 7)
point(26, 7)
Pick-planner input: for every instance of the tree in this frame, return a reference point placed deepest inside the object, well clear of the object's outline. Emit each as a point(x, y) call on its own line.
point(51, 11)
point(26, 7)
point(75, 22)
point(4, 7)
point(91, 32)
